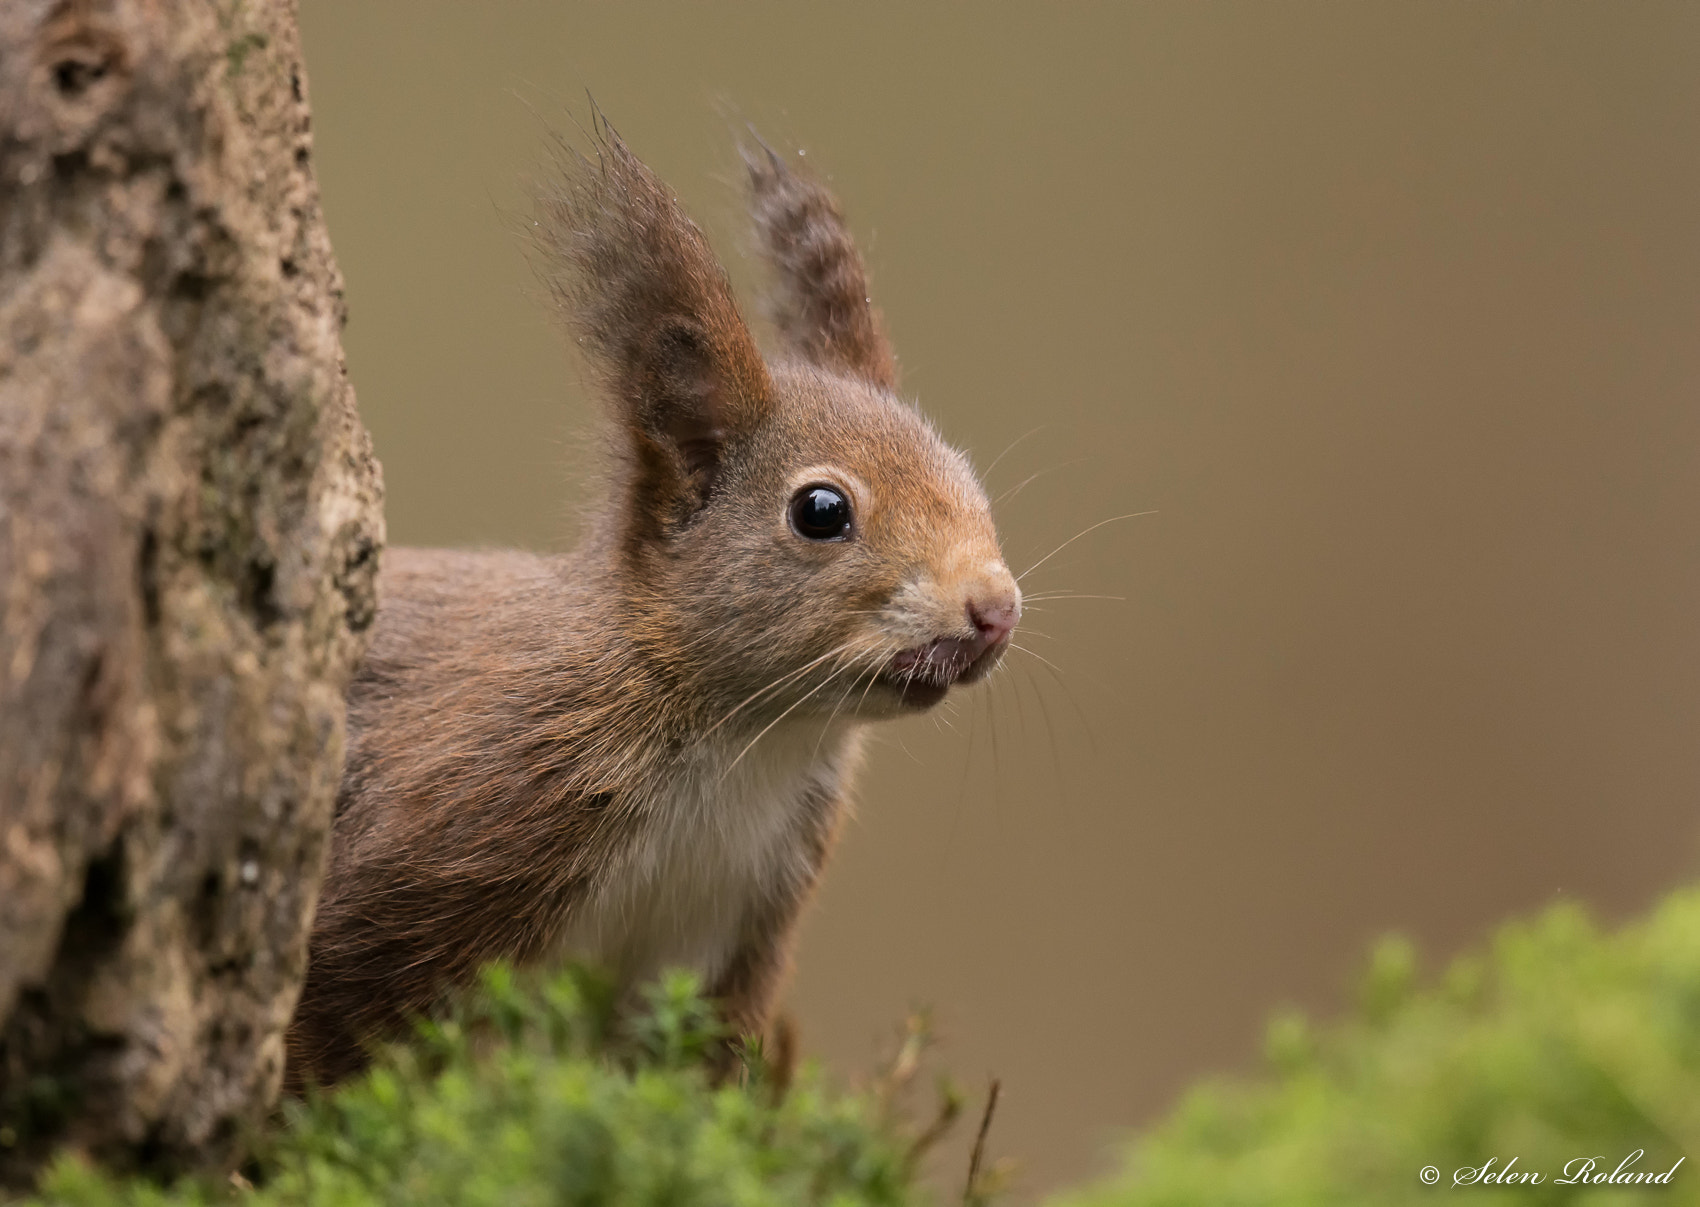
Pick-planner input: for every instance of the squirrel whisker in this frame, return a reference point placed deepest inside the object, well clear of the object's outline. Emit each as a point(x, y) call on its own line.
point(1090, 528)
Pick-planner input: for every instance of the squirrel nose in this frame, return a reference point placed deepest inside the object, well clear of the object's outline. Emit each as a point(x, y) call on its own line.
point(994, 619)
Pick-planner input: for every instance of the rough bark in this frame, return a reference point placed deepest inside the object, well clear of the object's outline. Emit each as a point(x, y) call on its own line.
point(189, 520)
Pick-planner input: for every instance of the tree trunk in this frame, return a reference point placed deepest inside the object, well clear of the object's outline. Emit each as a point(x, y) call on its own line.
point(189, 522)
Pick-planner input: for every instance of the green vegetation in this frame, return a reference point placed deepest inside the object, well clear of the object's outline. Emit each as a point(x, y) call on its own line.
point(1561, 1044)
point(534, 1095)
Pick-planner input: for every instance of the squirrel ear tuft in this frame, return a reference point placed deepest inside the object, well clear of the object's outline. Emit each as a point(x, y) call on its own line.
point(655, 314)
point(819, 301)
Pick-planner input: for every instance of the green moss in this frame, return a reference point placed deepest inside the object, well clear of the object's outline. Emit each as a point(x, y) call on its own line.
point(1559, 1044)
point(535, 1095)
point(236, 54)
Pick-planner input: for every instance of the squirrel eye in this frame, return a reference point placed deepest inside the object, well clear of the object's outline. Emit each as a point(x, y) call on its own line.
point(820, 513)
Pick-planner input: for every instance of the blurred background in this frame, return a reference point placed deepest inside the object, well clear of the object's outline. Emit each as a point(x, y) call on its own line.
point(1390, 313)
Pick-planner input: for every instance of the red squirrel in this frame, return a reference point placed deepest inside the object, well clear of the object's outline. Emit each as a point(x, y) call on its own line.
point(638, 754)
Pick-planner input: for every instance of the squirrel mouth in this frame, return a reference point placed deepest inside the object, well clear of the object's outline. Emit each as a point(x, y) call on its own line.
point(923, 674)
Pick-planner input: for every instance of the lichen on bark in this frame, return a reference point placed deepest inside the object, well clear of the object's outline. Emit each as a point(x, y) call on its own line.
point(190, 516)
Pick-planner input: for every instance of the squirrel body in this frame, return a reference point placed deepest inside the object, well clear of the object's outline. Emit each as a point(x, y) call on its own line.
point(639, 753)
point(730, 832)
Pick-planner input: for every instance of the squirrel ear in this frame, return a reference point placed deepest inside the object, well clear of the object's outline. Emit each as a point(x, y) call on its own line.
point(820, 300)
point(687, 404)
point(654, 311)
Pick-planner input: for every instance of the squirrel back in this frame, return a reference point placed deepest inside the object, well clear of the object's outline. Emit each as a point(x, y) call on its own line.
point(638, 753)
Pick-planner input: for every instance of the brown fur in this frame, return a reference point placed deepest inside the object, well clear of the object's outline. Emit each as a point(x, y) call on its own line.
point(640, 752)
point(821, 306)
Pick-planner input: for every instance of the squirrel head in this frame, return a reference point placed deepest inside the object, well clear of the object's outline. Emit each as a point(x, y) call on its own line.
point(785, 536)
